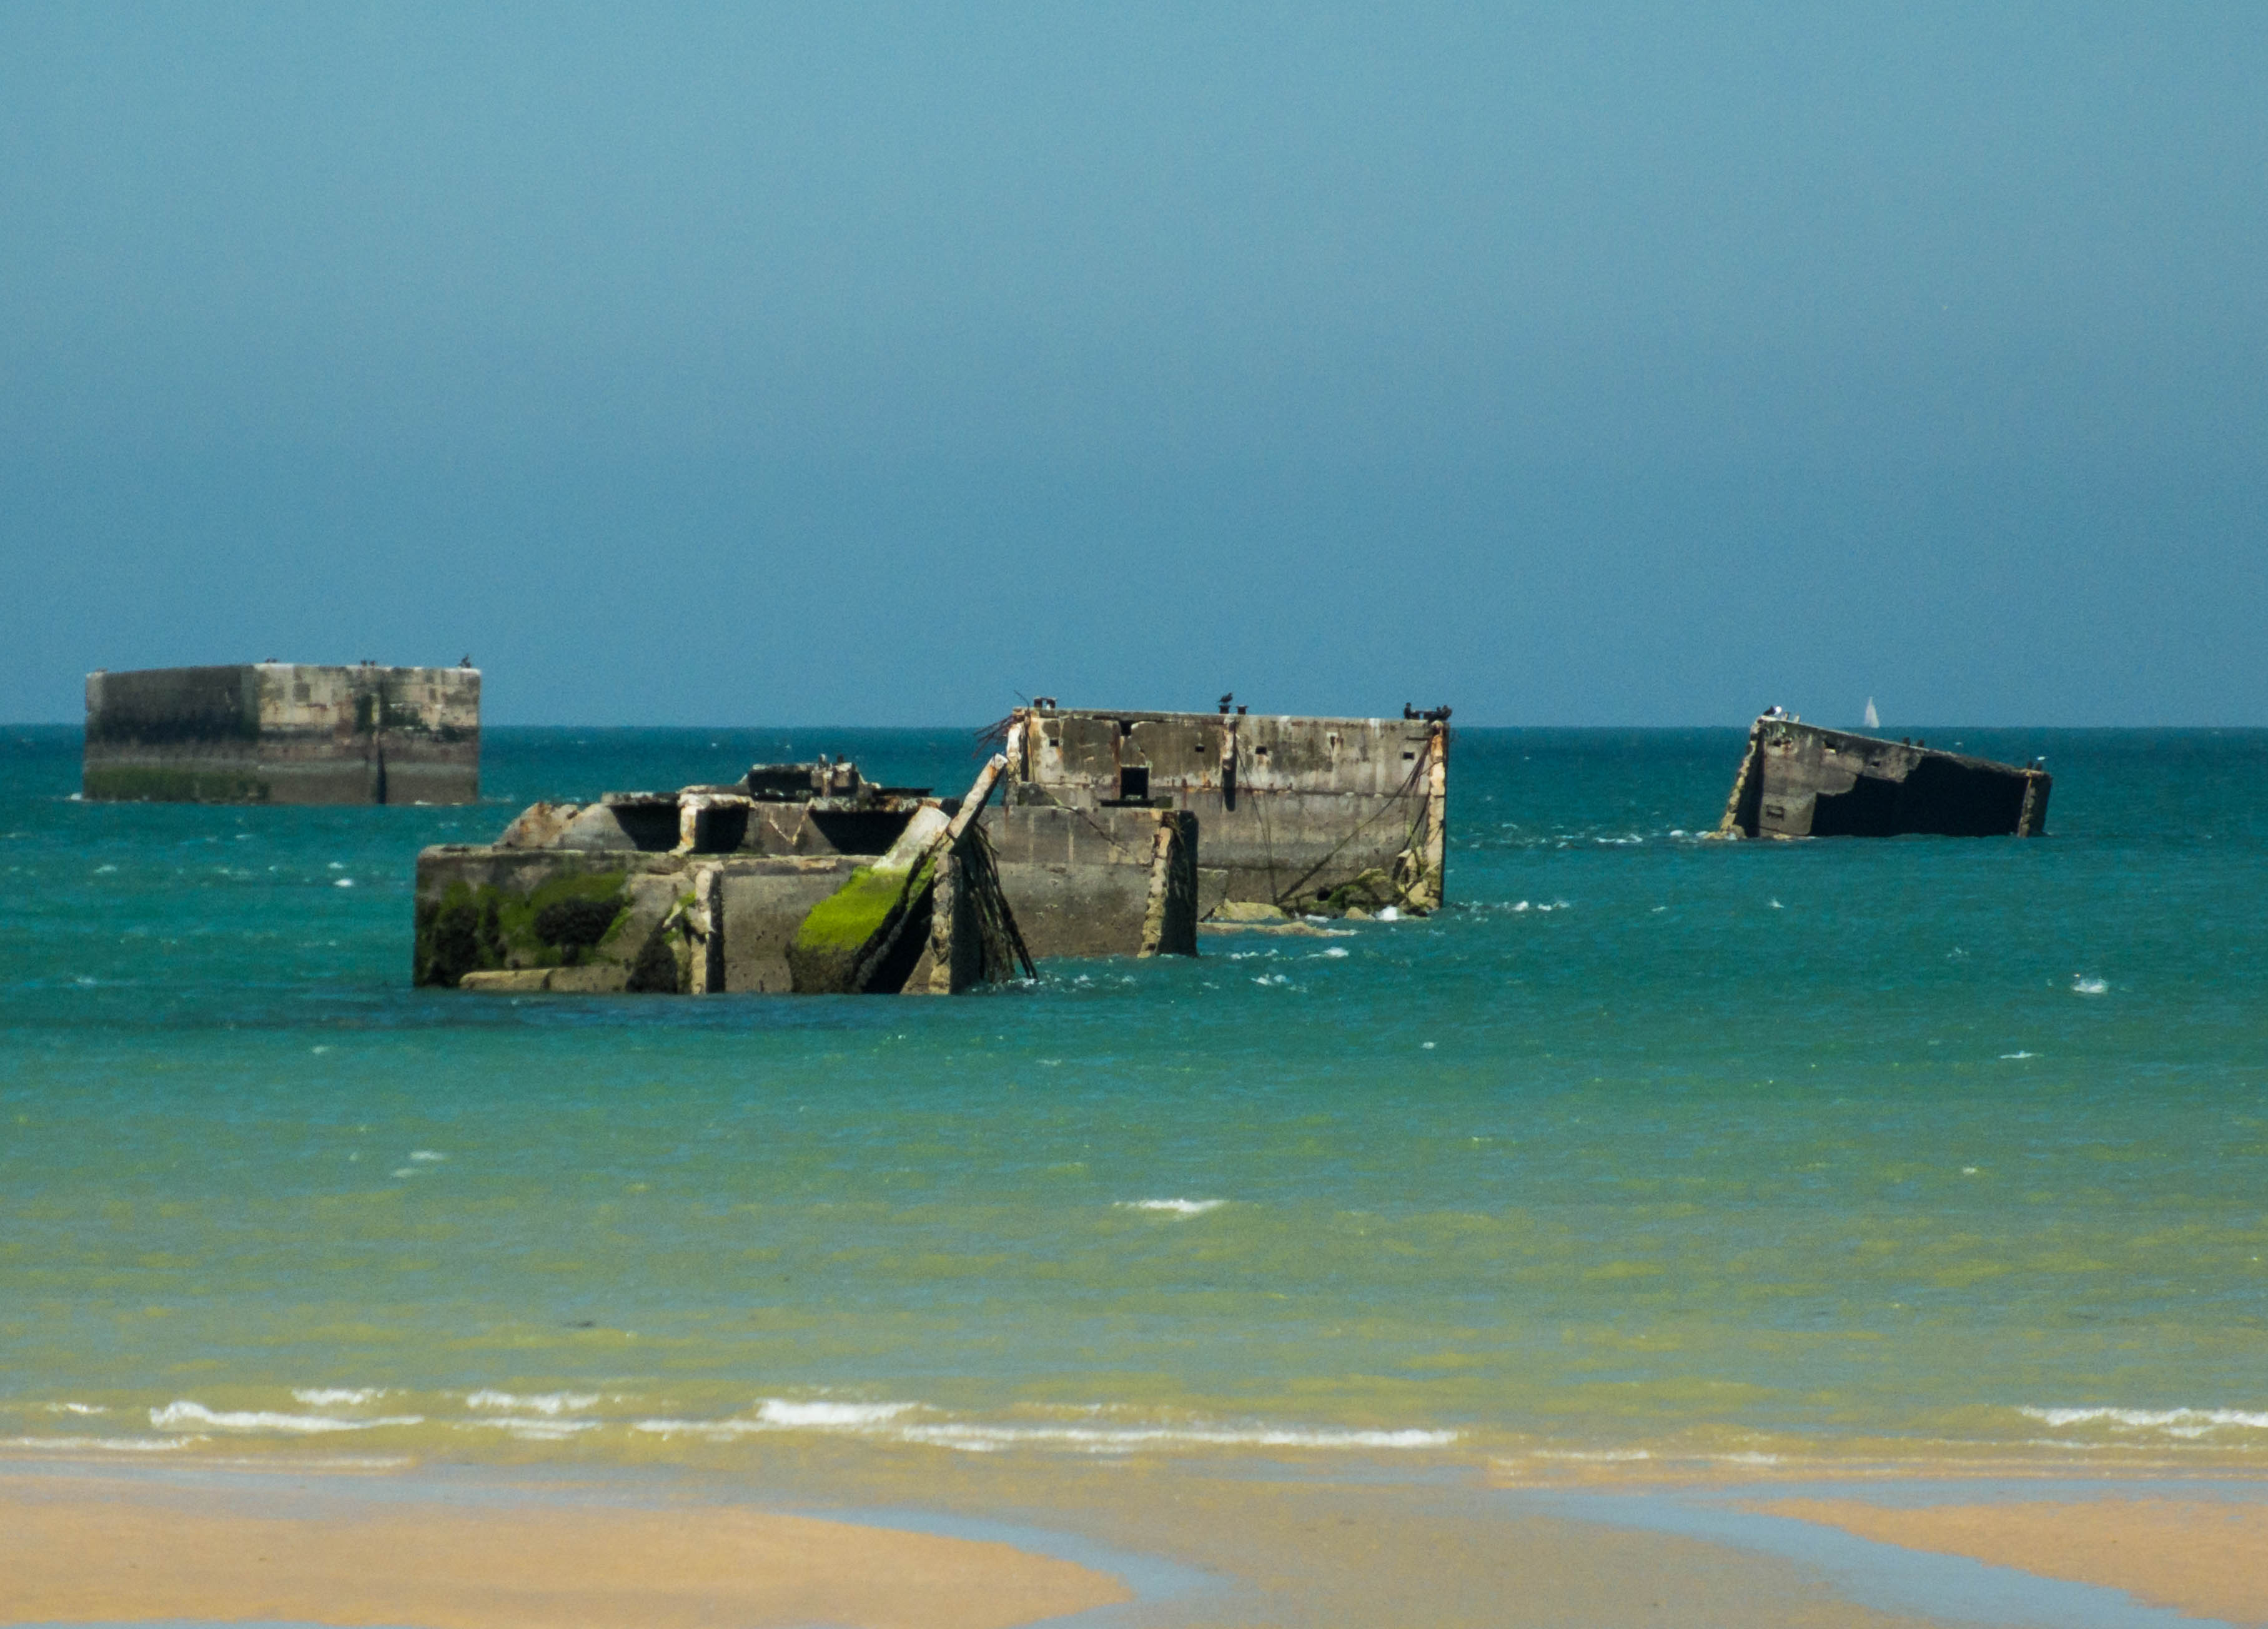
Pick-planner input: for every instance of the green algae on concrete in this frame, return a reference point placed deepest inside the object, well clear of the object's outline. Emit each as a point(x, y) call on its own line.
point(485, 927)
point(853, 924)
point(844, 946)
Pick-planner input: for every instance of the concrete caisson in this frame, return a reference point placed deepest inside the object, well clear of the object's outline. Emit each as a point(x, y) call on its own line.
point(733, 888)
point(1306, 814)
point(1799, 780)
point(283, 732)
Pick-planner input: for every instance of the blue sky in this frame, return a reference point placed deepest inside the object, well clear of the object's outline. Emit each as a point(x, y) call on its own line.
point(1588, 365)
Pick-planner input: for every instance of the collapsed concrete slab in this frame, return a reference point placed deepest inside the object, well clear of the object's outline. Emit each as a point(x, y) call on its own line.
point(1324, 815)
point(283, 732)
point(936, 893)
point(799, 878)
point(1798, 780)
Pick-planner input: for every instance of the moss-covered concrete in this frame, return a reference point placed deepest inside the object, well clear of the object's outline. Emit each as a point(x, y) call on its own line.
point(849, 926)
point(1371, 890)
point(561, 922)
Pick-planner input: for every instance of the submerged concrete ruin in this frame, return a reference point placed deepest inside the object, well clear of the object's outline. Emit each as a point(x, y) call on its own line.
point(1798, 780)
point(802, 878)
point(1116, 833)
point(283, 732)
point(1310, 816)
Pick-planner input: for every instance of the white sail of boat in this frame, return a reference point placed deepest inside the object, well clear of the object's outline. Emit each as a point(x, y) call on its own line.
point(1874, 719)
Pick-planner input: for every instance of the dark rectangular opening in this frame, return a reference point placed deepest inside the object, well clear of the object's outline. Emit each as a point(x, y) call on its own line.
point(651, 827)
point(853, 831)
point(1133, 782)
point(720, 831)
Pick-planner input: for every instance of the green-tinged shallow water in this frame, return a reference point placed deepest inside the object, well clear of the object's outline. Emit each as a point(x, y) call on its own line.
point(1647, 1144)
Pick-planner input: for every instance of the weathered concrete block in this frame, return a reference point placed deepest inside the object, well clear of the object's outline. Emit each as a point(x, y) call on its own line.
point(663, 924)
point(283, 732)
point(1293, 809)
point(683, 892)
point(1798, 780)
point(763, 906)
point(1083, 881)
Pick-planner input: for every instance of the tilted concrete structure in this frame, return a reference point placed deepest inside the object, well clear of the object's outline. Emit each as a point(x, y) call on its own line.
point(284, 732)
point(1310, 815)
point(1798, 780)
point(800, 878)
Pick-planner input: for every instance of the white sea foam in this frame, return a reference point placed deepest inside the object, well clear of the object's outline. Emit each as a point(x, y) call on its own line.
point(552, 1402)
point(77, 1408)
point(1389, 913)
point(343, 882)
point(855, 1416)
point(426, 1155)
point(2174, 1422)
point(2012, 1057)
point(891, 1420)
point(2082, 985)
point(1335, 951)
point(1172, 1207)
point(976, 1439)
point(100, 1445)
point(335, 1396)
point(187, 1413)
point(780, 1414)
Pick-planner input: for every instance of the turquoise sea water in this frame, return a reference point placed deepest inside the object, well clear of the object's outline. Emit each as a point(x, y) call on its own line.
point(1648, 1146)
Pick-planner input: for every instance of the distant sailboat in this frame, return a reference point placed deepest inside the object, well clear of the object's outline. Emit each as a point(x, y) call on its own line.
point(1874, 719)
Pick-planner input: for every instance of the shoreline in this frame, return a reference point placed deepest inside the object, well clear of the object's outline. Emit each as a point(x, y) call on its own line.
point(987, 1541)
point(117, 1549)
point(2205, 1559)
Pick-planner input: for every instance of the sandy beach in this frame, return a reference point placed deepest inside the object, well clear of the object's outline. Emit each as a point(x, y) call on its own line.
point(1178, 1545)
point(2205, 1557)
point(77, 1550)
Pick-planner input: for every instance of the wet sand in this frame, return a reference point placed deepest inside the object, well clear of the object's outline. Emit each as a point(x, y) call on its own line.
point(1244, 1545)
point(81, 1551)
point(931, 1541)
point(2202, 1557)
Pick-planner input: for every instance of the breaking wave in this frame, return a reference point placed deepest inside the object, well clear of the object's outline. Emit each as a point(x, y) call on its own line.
point(180, 1413)
point(1171, 1207)
point(2173, 1422)
point(554, 1402)
point(916, 1423)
